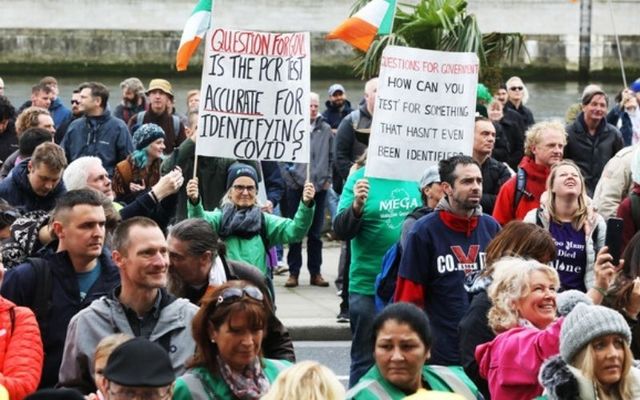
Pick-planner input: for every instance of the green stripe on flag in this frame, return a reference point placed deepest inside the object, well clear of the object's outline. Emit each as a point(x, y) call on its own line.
point(203, 5)
point(387, 22)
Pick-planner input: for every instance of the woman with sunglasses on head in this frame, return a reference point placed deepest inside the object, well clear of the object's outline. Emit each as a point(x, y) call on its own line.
point(579, 232)
point(518, 97)
point(247, 231)
point(228, 331)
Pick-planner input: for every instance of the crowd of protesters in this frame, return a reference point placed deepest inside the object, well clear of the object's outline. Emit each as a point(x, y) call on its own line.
point(124, 274)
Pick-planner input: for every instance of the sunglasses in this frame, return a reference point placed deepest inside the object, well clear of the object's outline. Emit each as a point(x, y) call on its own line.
point(231, 295)
point(516, 88)
point(75, 102)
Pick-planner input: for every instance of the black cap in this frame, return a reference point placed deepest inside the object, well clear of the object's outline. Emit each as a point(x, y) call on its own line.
point(55, 394)
point(139, 362)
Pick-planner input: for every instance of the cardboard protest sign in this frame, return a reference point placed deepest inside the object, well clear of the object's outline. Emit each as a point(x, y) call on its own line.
point(255, 96)
point(424, 111)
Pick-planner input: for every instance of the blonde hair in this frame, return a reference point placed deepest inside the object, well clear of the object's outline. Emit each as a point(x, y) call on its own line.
point(109, 343)
point(308, 380)
point(582, 213)
point(585, 362)
point(510, 284)
point(28, 118)
point(534, 134)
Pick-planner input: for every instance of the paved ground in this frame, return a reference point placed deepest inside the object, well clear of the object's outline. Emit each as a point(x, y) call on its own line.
point(309, 312)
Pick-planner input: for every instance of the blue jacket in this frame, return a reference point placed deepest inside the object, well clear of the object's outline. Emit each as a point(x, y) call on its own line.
point(105, 137)
point(19, 286)
point(59, 112)
point(17, 190)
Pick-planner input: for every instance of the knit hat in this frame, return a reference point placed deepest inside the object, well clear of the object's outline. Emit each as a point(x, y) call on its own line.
point(586, 323)
point(147, 134)
point(569, 299)
point(162, 85)
point(236, 170)
point(141, 363)
point(431, 175)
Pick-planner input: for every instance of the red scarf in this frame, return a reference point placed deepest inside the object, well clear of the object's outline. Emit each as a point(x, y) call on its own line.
point(457, 223)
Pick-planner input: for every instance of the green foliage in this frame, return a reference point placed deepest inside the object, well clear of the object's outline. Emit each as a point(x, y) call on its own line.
point(440, 25)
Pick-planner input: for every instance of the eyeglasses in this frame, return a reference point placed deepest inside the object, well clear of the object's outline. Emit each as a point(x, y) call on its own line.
point(75, 102)
point(230, 295)
point(516, 88)
point(127, 394)
point(242, 188)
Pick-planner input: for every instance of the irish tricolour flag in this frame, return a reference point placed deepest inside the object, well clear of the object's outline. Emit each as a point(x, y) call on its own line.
point(194, 30)
point(376, 18)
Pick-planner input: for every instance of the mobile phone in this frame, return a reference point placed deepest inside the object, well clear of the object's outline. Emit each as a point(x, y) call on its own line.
point(614, 239)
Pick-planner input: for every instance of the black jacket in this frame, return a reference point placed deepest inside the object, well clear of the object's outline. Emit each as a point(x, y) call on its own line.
point(510, 132)
point(351, 143)
point(474, 330)
point(277, 343)
point(18, 286)
point(591, 153)
point(525, 113)
point(494, 175)
point(8, 141)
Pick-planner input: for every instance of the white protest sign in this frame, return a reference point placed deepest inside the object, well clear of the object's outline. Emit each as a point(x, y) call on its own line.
point(255, 96)
point(424, 111)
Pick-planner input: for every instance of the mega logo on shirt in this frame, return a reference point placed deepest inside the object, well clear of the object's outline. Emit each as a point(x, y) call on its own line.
point(459, 260)
point(394, 209)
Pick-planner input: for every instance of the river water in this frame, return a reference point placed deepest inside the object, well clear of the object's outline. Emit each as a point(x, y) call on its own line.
point(547, 99)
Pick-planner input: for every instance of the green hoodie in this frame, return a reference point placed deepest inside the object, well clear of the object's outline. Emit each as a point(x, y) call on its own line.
point(387, 205)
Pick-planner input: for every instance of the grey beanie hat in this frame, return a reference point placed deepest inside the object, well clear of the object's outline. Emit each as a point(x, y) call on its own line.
point(586, 323)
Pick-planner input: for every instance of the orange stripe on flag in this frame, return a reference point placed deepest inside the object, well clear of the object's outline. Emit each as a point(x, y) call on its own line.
point(356, 32)
point(185, 52)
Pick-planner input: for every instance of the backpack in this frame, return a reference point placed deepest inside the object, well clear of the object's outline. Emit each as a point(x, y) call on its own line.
point(385, 284)
point(140, 121)
point(42, 302)
point(521, 184)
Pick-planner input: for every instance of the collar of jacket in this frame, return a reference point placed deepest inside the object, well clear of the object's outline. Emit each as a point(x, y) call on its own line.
point(534, 171)
point(455, 222)
point(583, 124)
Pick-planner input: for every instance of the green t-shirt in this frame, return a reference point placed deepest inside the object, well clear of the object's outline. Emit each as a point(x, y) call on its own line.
point(387, 205)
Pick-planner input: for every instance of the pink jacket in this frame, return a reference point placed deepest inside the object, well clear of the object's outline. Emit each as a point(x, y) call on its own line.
point(511, 362)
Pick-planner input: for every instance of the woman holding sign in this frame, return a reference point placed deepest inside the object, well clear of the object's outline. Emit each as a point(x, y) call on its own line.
point(247, 231)
point(578, 231)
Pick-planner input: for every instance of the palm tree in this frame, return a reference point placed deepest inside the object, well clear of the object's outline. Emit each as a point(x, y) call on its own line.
point(442, 25)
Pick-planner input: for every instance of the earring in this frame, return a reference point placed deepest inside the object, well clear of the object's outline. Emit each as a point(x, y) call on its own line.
point(213, 340)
